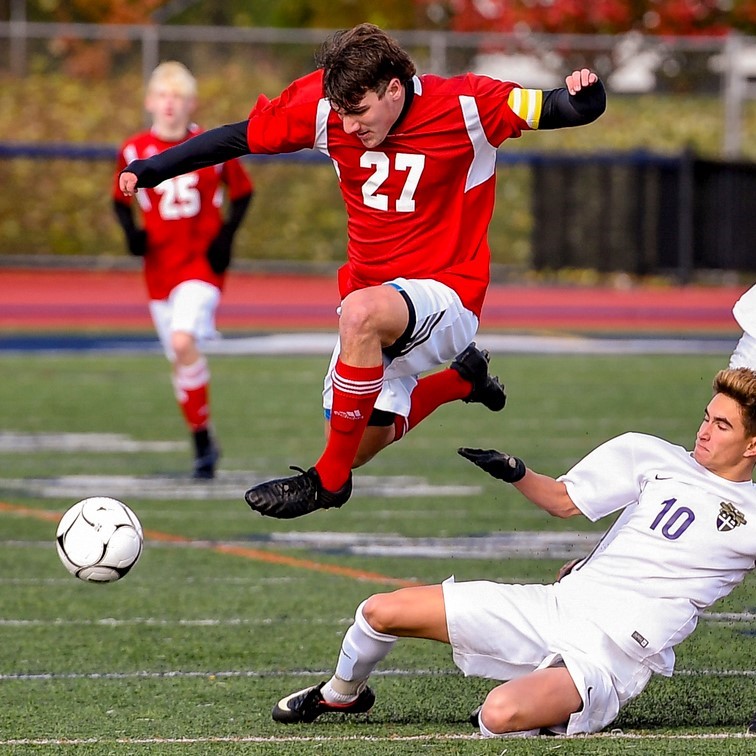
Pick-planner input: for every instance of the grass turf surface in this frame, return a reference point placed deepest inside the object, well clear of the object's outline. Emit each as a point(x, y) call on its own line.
point(195, 645)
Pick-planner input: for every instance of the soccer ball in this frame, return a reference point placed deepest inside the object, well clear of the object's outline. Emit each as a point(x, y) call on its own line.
point(99, 539)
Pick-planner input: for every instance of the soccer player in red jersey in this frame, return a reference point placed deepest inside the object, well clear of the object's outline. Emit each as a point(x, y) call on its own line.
point(186, 246)
point(415, 157)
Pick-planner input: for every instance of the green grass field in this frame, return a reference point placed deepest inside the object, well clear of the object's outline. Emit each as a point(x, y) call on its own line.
point(188, 653)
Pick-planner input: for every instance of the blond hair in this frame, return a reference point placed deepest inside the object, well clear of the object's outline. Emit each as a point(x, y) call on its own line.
point(739, 384)
point(175, 75)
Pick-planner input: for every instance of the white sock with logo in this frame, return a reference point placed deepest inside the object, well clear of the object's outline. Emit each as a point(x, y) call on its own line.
point(361, 650)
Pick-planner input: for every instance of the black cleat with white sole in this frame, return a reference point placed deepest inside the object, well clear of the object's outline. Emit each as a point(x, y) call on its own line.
point(472, 364)
point(297, 495)
point(308, 704)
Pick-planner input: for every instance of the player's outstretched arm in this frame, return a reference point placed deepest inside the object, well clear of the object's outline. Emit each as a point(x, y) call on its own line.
point(581, 101)
point(208, 148)
point(545, 492)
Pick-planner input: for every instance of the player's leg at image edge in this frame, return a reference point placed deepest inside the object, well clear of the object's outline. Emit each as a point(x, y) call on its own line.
point(347, 692)
point(297, 495)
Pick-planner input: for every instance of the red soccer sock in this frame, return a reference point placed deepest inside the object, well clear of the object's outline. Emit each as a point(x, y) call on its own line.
point(355, 390)
point(191, 386)
point(430, 393)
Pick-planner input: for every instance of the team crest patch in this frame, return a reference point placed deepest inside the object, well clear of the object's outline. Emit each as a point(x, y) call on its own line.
point(729, 518)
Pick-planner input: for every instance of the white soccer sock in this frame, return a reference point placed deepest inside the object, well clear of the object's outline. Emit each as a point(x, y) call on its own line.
point(361, 650)
point(190, 377)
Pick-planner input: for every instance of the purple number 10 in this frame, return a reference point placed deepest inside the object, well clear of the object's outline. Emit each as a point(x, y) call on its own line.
point(677, 523)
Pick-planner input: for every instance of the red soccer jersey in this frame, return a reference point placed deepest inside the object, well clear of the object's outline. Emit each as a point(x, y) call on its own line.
point(419, 204)
point(181, 215)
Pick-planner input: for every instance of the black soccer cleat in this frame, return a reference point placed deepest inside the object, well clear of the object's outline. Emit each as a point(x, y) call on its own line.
point(474, 718)
point(752, 727)
point(297, 495)
point(206, 455)
point(308, 704)
point(472, 364)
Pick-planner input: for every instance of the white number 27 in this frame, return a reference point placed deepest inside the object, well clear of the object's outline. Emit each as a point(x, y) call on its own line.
point(413, 164)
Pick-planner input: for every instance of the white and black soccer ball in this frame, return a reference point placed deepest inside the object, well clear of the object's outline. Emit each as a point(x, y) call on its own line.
point(99, 539)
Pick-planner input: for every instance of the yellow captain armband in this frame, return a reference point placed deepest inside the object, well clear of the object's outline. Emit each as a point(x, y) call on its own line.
point(527, 104)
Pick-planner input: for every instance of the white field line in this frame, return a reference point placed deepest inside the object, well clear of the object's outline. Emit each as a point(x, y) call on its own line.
point(321, 343)
point(613, 735)
point(157, 622)
point(732, 617)
point(189, 579)
point(527, 544)
point(228, 485)
point(230, 674)
point(12, 442)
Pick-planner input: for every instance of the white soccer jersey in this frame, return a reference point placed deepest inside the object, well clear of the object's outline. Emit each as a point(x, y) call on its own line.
point(745, 313)
point(686, 538)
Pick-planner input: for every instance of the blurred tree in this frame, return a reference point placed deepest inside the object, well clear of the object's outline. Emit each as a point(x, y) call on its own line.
point(323, 14)
point(84, 57)
point(674, 17)
point(91, 11)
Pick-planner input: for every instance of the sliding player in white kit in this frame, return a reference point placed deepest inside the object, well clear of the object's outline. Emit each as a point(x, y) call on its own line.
point(745, 356)
point(576, 651)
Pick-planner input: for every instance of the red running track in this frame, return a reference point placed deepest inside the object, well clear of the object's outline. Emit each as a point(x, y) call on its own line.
point(74, 300)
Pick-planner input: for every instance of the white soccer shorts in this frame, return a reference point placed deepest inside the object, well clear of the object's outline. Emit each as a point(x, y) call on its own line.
point(190, 308)
point(443, 328)
point(503, 632)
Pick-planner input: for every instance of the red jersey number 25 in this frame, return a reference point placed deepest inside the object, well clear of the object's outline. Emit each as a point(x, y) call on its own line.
point(411, 164)
point(179, 197)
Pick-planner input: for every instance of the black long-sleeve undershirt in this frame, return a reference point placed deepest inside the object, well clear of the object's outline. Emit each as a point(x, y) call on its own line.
point(208, 148)
point(560, 108)
point(223, 143)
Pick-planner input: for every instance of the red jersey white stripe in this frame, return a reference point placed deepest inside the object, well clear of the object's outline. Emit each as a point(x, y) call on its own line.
point(419, 204)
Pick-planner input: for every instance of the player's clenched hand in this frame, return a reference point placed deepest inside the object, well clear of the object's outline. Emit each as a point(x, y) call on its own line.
point(499, 465)
point(127, 182)
point(578, 80)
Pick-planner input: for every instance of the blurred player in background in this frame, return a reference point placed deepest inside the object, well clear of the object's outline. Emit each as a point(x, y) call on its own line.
point(416, 162)
point(186, 246)
point(576, 651)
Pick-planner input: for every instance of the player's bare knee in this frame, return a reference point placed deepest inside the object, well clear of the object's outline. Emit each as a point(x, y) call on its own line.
point(500, 712)
point(357, 318)
point(182, 344)
point(380, 612)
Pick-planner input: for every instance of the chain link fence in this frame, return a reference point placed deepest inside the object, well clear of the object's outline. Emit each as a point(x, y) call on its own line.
point(81, 86)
